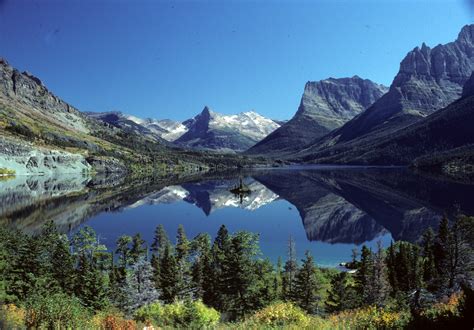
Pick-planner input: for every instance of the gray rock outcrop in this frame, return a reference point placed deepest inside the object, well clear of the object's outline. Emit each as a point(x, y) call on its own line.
point(325, 105)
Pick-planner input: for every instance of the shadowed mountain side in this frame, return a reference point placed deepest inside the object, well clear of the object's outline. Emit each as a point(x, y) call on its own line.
point(326, 216)
point(428, 80)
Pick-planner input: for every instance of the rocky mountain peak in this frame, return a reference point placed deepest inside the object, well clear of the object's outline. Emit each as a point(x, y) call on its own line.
point(466, 36)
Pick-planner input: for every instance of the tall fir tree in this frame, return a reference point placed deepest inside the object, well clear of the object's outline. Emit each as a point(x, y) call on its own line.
point(139, 289)
point(364, 275)
point(169, 279)
point(138, 249)
point(341, 295)
point(306, 285)
point(290, 270)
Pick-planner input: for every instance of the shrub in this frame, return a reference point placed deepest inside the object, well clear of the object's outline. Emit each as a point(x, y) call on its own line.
point(12, 317)
point(56, 311)
point(370, 318)
point(112, 320)
point(280, 314)
point(178, 314)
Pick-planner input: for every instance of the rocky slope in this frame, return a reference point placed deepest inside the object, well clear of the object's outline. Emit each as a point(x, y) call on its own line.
point(157, 130)
point(428, 80)
point(325, 105)
point(211, 130)
point(40, 133)
point(442, 131)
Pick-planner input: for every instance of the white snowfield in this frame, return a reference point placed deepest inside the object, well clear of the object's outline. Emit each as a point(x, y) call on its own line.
point(249, 124)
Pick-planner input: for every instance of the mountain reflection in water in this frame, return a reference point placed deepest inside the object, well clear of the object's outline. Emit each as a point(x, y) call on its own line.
point(336, 205)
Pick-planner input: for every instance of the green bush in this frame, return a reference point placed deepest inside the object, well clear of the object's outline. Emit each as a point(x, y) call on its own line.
point(280, 314)
point(178, 314)
point(56, 311)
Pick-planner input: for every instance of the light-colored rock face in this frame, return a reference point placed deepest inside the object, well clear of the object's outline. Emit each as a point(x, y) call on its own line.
point(333, 102)
point(24, 158)
point(325, 105)
point(431, 78)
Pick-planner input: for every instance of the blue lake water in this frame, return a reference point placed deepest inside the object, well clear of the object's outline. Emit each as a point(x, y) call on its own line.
point(326, 210)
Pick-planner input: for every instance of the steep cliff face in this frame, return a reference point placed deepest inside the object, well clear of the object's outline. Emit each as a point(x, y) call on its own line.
point(428, 80)
point(325, 105)
point(30, 92)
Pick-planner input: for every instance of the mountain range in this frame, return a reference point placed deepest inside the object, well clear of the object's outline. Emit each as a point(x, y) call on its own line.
point(208, 130)
point(405, 122)
point(42, 134)
point(424, 119)
point(325, 106)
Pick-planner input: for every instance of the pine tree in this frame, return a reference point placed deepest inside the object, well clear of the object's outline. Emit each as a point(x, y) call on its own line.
point(184, 285)
point(160, 241)
point(214, 284)
point(62, 263)
point(441, 256)
point(239, 274)
point(182, 244)
point(379, 287)
point(169, 276)
point(200, 250)
point(90, 286)
point(138, 250)
point(290, 270)
point(139, 288)
point(392, 273)
point(429, 267)
point(364, 275)
point(86, 243)
point(278, 280)
point(341, 295)
point(306, 286)
point(123, 250)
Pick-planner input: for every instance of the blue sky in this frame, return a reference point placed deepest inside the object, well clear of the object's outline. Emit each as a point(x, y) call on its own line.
point(167, 59)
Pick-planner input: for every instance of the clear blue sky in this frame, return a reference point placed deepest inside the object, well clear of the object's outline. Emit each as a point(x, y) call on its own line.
point(168, 59)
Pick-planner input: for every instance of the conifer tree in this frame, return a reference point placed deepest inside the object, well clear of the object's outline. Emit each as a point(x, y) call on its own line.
point(200, 250)
point(160, 241)
point(90, 286)
point(138, 250)
point(364, 275)
point(139, 288)
point(168, 276)
point(290, 270)
point(429, 267)
point(379, 286)
point(123, 251)
point(184, 277)
point(341, 295)
point(306, 286)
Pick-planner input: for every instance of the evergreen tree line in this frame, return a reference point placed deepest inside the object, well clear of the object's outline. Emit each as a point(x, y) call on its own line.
point(228, 273)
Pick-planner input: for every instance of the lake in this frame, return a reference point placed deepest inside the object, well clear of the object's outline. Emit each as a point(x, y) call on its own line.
point(327, 210)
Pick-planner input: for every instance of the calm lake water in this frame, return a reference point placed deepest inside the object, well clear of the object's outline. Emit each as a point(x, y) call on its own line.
point(327, 210)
